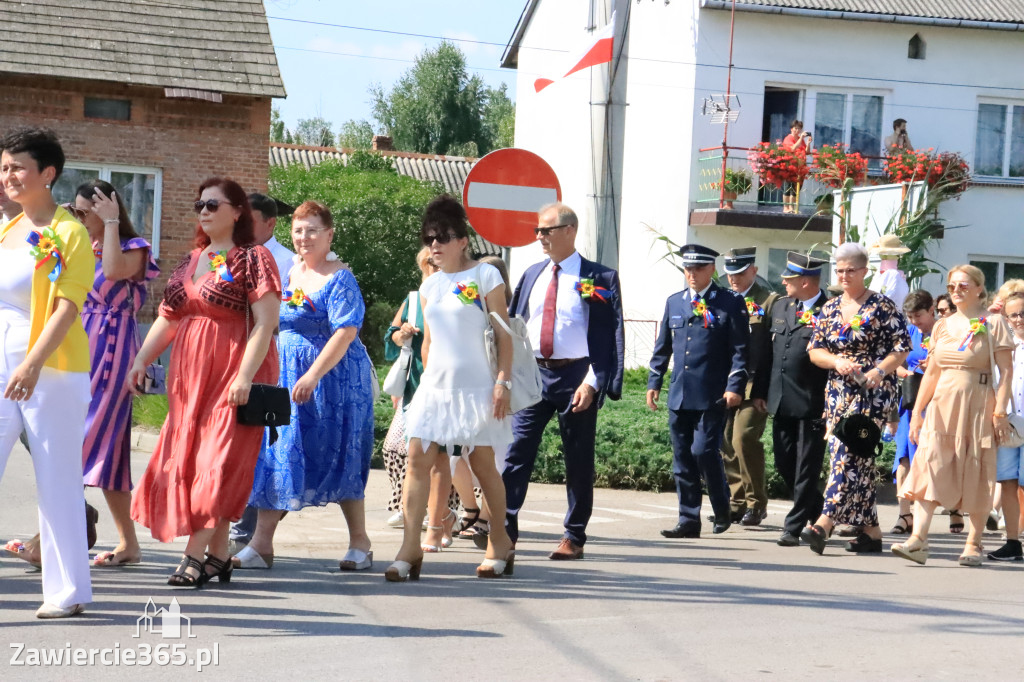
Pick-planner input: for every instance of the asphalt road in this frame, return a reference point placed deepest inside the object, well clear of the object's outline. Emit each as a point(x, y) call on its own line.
point(639, 607)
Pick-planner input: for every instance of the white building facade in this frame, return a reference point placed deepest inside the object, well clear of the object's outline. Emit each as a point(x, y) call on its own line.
point(954, 76)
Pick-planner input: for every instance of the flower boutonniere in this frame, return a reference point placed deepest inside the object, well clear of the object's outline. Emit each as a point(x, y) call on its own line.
point(588, 290)
point(297, 299)
point(468, 293)
point(753, 309)
point(808, 318)
point(977, 328)
point(219, 264)
point(46, 245)
point(700, 309)
point(854, 325)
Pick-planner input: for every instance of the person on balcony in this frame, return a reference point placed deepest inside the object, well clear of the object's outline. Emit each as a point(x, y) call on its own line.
point(800, 142)
point(899, 140)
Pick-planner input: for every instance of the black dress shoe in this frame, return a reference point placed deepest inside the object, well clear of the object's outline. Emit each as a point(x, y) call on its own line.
point(753, 517)
point(787, 539)
point(721, 526)
point(682, 530)
point(735, 515)
point(864, 544)
point(816, 538)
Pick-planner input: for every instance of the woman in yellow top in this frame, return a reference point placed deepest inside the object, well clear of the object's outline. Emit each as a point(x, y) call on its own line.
point(46, 270)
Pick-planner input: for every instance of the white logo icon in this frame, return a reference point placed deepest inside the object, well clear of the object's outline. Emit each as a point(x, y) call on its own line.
point(164, 622)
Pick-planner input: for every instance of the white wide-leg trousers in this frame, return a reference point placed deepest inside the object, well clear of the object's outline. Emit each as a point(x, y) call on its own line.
point(54, 420)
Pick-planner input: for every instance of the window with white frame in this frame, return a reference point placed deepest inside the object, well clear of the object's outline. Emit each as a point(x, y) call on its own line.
point(999, 140)
point(139, 187)
point(998, 270)
point(847, 118)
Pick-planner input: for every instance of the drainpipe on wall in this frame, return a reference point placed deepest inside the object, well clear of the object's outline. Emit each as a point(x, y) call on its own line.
point(607, 124)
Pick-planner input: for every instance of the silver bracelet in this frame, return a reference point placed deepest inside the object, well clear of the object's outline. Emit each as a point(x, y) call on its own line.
point(112, 221)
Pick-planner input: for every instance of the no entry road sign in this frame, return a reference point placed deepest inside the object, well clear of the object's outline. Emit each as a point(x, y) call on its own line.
point(503, 193)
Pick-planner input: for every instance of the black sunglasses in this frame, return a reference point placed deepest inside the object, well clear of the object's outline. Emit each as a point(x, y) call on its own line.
point(211, 205)
point(546, 231)
point(442, 238)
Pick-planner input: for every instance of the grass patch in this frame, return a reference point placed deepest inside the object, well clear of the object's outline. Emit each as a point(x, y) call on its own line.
point(149, 411)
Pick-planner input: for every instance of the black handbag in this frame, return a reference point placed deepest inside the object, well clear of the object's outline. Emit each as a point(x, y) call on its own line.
point(860, 434)
point(269, 406)
point(909, 388)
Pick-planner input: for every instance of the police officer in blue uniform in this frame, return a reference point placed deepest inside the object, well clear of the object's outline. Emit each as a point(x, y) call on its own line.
point(793, 391)
point(706, 328)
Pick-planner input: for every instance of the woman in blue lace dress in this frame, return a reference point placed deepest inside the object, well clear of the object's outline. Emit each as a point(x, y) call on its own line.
point(323, 456)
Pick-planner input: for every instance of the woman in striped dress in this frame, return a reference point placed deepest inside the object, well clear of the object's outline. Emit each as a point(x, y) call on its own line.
point(124, 263)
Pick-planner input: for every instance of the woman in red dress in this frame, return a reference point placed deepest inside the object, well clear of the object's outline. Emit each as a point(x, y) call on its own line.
point(201, 472)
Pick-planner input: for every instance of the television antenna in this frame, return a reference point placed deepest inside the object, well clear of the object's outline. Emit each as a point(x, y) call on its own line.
point(722, 108)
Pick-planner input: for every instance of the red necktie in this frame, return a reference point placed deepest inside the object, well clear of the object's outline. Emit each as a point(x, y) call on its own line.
point(547, 324)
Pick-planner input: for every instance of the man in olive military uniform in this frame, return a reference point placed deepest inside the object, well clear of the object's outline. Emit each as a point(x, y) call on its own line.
point(795, 392)
point(742, 449)
point(705, 328)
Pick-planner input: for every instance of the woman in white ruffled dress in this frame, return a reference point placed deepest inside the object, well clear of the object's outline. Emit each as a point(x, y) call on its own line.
point(459, 401)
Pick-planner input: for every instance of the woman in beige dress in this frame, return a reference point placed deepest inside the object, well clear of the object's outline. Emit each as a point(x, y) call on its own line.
point(955, 464)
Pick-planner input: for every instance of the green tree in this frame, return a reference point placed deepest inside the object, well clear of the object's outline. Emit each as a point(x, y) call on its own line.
point(355, 134)
point(277, 129)
point(314, 131)
point(436, 106)
point(499, 118)
point(377, 215)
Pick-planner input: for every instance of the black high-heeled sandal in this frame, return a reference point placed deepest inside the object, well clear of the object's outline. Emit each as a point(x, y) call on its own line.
point(221, 570)
point(904, 524)
point(956, 526)
point(181, 577)
point(467, 521)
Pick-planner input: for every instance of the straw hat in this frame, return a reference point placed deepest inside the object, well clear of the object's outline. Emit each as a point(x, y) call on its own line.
point(888, 245)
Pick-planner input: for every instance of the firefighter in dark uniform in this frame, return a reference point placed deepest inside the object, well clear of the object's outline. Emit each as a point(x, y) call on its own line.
point(742, 449)
point(706, 328)
point(795, 392)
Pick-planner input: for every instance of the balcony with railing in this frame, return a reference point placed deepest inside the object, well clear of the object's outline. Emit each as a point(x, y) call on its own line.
point(761, 205)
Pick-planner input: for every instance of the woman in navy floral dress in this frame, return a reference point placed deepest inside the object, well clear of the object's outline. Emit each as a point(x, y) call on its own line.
point(861, 338)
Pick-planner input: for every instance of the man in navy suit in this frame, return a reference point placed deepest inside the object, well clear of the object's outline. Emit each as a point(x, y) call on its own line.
point(573, 313)
point(706, 327)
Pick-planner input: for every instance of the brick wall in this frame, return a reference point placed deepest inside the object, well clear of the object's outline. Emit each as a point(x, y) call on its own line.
point(188, 140)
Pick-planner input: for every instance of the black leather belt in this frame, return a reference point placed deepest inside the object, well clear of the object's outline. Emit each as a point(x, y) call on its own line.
point(556, 364)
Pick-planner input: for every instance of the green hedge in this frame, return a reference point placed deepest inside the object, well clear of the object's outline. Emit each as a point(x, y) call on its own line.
point(632, 446)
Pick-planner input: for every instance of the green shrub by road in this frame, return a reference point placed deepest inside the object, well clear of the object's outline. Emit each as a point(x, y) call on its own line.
point(632, 446)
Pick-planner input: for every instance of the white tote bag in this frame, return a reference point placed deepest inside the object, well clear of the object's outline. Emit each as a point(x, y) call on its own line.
point(398, 375)
point(526, 381)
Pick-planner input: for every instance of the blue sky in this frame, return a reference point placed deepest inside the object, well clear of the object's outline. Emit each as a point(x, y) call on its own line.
point(335, 86)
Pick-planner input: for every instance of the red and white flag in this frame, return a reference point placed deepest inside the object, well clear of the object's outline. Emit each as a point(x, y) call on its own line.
point(597, 51)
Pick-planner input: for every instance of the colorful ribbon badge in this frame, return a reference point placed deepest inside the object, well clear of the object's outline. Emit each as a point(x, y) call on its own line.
point(46, 245)
point(926, 343)
point(807, 318)
point(588, 290)
point(977, 328)
point(700, 309)
point(753, 308)
point(297, 299)
point(468, 294)
point(219, 264)
point(855, 324)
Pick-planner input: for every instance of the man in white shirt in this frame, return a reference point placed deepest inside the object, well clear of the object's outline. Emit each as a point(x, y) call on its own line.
point(573, 314)
point(264, 219)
